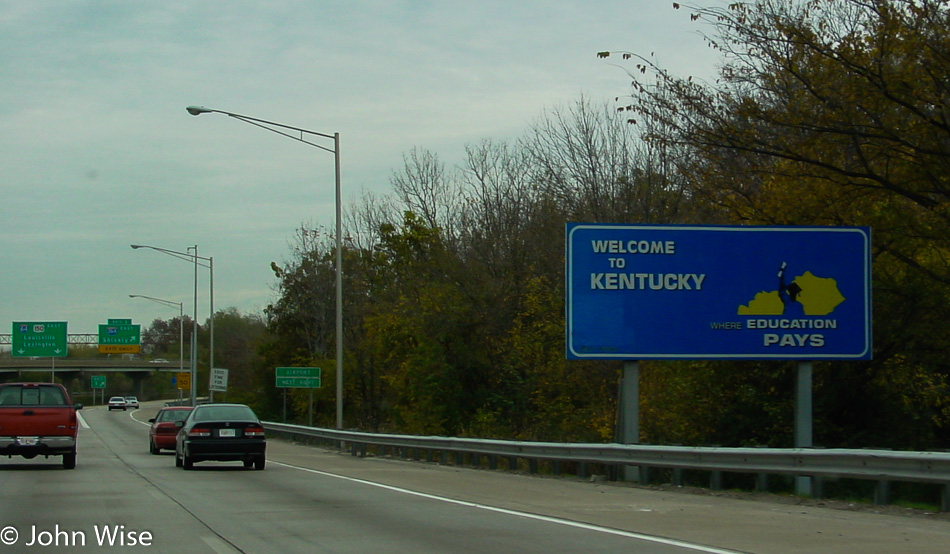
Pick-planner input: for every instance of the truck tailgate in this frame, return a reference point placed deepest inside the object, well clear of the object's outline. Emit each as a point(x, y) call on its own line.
point(37, 421)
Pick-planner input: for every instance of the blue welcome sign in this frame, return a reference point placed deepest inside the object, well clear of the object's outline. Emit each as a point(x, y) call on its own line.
point(718, 292)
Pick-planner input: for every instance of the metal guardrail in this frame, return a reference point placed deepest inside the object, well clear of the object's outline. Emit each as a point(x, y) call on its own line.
point(874, 465)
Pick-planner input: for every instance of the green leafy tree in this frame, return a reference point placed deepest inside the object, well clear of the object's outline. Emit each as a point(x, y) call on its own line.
point(237, 341)
point(162, 338)
point(420, 329)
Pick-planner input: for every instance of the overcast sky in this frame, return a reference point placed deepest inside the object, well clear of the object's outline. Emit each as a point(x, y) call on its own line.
point(97, 151)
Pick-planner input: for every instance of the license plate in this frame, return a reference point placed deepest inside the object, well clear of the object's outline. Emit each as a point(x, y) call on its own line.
point(27, 441)
point(226, 433)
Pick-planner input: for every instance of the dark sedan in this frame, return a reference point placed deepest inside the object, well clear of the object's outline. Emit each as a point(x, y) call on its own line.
point(165, 426)
point(221, 432)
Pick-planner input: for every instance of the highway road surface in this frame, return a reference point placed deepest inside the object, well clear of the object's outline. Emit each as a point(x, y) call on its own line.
point(120, 497)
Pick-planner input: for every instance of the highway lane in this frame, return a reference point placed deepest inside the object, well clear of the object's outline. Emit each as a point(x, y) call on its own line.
point(309, 500)
point(108, 499)
point(220, 507)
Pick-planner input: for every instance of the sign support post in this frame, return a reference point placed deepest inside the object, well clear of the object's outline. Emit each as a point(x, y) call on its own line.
point(803, 418)
point(630, 411)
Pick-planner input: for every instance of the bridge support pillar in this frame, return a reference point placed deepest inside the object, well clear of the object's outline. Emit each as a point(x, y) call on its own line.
point(138, 381)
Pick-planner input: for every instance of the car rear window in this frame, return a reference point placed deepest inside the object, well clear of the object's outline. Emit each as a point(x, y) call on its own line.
point(32, 396)
point(173, 415)
point(224, 413)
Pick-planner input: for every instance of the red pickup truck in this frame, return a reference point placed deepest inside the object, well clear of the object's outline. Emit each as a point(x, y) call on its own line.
point(38, 419)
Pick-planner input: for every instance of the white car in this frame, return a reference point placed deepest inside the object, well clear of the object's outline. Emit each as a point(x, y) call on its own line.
point(131, 402)
point(117, 403)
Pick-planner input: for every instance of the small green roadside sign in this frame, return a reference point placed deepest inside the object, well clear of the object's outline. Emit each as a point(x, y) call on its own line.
point(298, 377)
point(37, 339)
point(98, 381)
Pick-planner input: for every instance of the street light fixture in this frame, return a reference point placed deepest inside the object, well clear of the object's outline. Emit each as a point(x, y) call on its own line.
point(181, 327)
point(196, 259)
point(299, 135)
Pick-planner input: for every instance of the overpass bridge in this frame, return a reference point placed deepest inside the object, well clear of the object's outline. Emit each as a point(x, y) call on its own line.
point(82, 365)
point(12, 369)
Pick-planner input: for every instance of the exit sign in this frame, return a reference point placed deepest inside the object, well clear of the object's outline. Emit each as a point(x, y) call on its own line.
point(119, 336)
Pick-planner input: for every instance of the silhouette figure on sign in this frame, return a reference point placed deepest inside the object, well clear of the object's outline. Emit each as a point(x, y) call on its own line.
point(789, 295)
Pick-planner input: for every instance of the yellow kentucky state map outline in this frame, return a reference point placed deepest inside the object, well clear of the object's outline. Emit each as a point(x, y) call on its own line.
point(819, 296)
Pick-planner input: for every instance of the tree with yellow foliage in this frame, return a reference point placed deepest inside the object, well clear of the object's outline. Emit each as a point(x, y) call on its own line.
point(835, 112)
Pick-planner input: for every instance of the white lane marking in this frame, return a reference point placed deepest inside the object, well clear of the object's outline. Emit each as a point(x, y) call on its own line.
point(82, 422)
point(218, 545)
point(537, 517)
point(132, 415)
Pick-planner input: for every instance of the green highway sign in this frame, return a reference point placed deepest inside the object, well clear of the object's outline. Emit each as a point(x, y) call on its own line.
point(298, 377)
point(39, 338)
point(119, 337)
point(98, 381)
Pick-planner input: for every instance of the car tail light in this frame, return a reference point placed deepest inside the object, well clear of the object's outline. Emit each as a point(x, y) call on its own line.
point(199, 432)
point(254, 432)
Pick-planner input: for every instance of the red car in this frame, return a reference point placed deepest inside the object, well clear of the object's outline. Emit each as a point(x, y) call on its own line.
point(165, 426)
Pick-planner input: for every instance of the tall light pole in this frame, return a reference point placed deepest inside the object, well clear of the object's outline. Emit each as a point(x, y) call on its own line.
point(209, 263)
point(181, 327)
point(298, 135)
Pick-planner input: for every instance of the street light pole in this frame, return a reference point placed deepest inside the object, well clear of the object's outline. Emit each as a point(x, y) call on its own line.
point(181, 327)
point(299, 135)
point(196, 259)
point(194, 336)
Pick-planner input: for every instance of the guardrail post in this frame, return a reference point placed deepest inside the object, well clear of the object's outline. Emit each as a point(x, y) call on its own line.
point(882, 493)
point(761, 482)
point(818, 487)
point(677, 480)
